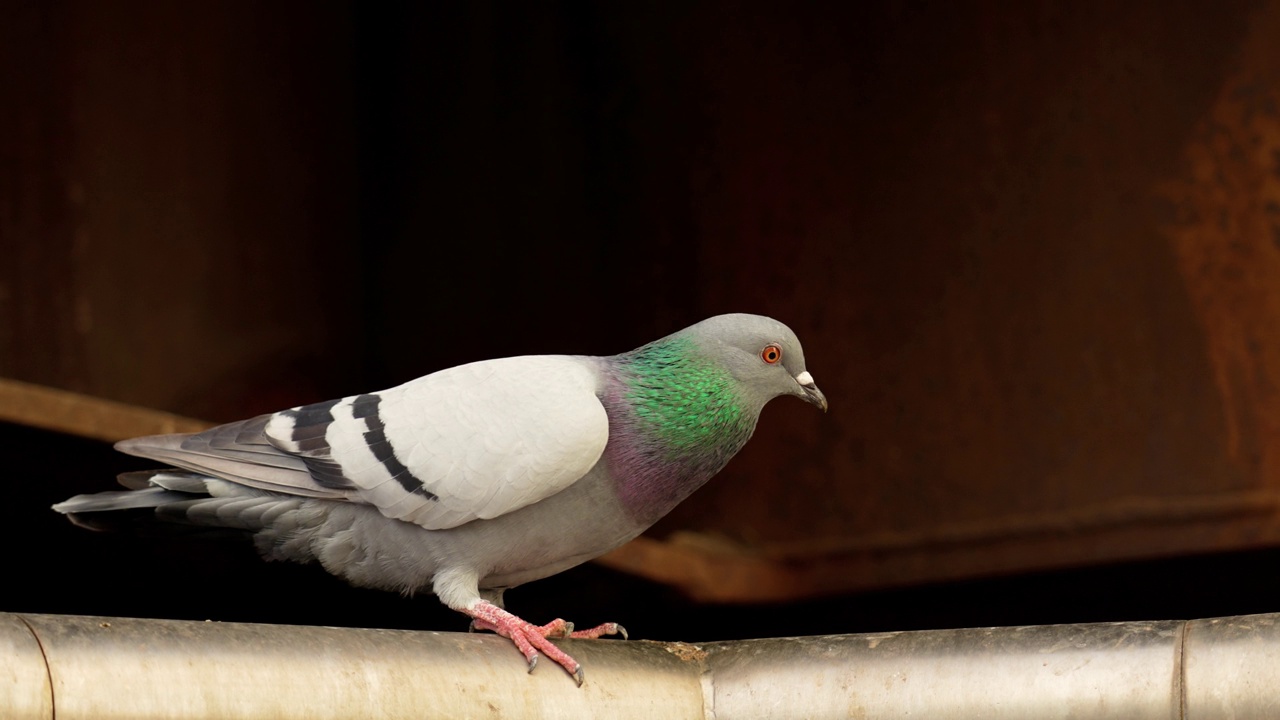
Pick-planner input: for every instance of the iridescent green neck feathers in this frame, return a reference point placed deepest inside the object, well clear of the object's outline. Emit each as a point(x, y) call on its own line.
point(681, 400)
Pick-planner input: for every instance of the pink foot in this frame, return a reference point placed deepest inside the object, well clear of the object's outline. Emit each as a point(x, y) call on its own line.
point(530, 638)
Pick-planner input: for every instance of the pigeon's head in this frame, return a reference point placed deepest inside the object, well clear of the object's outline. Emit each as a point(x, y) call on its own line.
point(761, 353)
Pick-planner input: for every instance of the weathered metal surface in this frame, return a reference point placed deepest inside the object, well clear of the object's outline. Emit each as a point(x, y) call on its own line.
point(107, 668)
point(1126, 671)
point(25, 693)
point(1232, 668)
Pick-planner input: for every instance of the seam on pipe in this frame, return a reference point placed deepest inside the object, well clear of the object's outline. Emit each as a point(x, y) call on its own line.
point(707, 682)
point(1180, 669)
point(48, 670)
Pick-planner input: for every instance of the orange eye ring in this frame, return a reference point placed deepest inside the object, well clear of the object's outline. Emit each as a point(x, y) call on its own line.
point(771, 354)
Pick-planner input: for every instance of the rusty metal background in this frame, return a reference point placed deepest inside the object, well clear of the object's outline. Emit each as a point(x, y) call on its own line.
point(1031, 248)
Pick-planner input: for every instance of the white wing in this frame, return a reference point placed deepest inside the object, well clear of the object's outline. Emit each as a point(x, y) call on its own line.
point(474, 441)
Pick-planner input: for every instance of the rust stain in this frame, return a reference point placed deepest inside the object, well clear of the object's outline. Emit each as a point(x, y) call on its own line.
point(1225, 231)
point(686, 652)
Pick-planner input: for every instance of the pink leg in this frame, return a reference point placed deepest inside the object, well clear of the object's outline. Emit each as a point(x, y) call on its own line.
point(530, 638)
point(555, 629)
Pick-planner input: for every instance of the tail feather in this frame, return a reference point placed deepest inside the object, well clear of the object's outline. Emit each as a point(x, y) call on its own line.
point(176, 497)
point(148, 491)
point(113, 500)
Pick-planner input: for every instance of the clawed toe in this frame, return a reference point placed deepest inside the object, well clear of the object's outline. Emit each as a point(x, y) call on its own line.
point(532, 640)
point(557, 628)
point(601, 630)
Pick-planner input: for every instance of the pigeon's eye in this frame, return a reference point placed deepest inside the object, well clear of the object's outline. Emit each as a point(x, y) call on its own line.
point(771, 354)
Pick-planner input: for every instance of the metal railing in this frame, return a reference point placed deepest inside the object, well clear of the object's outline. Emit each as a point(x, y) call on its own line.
point(72, 667)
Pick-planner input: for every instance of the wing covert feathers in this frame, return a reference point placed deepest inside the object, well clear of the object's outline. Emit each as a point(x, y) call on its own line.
point(474, 441)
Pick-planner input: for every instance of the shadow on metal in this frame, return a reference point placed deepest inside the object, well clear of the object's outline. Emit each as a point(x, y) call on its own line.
point(91, 667)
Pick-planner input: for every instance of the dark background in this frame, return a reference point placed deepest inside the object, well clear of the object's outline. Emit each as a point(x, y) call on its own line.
point(1031, 249)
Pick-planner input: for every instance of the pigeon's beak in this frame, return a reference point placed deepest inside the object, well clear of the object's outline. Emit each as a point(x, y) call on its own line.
point(811, 392)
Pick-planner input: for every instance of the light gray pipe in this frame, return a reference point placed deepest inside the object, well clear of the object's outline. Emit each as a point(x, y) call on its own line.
point(72, 667)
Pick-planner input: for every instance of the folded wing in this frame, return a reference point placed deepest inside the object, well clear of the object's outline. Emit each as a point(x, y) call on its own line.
point(474, 441)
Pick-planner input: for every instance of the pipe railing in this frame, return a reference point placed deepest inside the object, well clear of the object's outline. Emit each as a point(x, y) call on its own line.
point(72, 667)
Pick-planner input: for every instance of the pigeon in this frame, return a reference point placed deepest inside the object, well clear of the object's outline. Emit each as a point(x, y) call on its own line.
point(481, 477)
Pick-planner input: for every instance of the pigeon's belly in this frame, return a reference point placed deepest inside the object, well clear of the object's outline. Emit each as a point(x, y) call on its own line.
point(582, 522)
point(357, 543)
